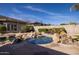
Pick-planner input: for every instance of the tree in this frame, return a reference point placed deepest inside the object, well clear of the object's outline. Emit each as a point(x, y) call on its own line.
point(73, 23)
point(2, 29)
point(63, 24)
point(75, 7)
point(27, 28)
point(70, 23)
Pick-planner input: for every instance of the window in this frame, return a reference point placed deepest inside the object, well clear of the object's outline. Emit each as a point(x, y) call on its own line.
point(8, 27)
point(1, 23)
point(15, 27)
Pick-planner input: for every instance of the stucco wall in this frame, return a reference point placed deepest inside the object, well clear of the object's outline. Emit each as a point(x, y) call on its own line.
point(71, 29)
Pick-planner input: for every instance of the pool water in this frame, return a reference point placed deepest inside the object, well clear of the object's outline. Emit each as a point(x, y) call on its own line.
point(3, 39)
point(40, 40)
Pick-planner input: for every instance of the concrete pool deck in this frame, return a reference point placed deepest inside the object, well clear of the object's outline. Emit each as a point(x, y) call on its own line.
point(48, 49)
point(43, 49)
point(68, 49)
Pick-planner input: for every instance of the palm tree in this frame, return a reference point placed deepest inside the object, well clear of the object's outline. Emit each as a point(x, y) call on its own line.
point(75, 7)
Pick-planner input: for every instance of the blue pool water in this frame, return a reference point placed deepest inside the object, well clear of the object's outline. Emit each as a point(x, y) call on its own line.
point(40, 40)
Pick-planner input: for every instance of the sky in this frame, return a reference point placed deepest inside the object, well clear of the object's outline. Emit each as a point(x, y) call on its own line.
point(49, 13)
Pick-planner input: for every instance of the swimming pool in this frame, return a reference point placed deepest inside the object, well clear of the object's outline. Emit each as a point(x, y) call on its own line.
point(40, 40)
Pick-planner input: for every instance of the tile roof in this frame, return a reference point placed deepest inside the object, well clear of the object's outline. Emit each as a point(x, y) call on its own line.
point(8, 19)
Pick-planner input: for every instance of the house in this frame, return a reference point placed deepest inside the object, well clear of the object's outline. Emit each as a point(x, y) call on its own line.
point(12, 25)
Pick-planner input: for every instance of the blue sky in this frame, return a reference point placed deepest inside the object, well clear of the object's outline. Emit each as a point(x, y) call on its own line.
point(47, 13)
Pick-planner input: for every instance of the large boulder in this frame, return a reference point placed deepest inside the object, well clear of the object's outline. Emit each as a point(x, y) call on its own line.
point(64, 38)
point(56, 38)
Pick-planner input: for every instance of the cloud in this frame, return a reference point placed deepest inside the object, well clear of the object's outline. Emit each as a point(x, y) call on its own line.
point(50, 14)
point(25, 17)
point(16, 10)
point(40, 10)
point(20, 15)
point(62, 18)
point(51, 17)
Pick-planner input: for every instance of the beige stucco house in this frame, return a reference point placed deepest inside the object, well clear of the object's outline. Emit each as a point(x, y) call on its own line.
point(13, 25)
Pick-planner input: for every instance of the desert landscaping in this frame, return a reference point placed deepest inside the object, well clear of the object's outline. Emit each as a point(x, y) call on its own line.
point(39, 29)
point(62, 41)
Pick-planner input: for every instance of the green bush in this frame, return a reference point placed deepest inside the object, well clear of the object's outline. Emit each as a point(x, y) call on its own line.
point(2, 29)
point(53, 30)
point(43, 30)
point(63, 24)
point(27, 28)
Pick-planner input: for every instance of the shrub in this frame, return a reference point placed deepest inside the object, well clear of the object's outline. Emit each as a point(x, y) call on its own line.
point(43, 30)
point(63, 29)
point(53, 30)
point(58, 30)
point(27, 28)
point(63, 24)
point(2, 29)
